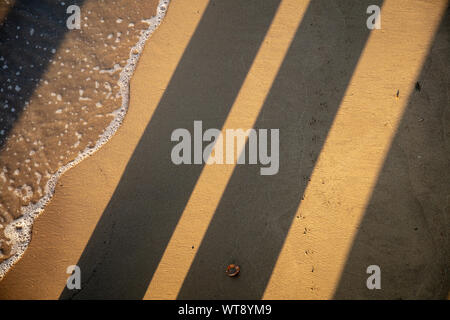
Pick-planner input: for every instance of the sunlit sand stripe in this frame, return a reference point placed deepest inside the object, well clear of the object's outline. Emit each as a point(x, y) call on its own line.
point(213, 180)
point(354, 152)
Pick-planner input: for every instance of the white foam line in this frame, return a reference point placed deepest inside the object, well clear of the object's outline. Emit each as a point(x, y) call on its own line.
point(19, 230)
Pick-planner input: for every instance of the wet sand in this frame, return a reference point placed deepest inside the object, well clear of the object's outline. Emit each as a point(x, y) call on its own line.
point(363, 170)
point(63, 93)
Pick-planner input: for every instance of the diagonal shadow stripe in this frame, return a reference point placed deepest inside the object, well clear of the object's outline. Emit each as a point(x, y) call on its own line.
point(405, 228)
point(130, 238)
point(209, 189)
point(254, 215)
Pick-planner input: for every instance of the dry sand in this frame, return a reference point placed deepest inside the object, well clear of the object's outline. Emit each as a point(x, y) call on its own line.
point(363, 175)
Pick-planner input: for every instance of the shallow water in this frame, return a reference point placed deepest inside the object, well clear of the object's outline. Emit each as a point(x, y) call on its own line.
point(63, 93)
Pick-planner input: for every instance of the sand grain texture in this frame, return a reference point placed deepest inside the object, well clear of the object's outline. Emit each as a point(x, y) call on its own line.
point(363, 174)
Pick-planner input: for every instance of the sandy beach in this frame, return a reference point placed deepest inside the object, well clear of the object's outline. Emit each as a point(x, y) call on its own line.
point(363, 176)
point(64, 93)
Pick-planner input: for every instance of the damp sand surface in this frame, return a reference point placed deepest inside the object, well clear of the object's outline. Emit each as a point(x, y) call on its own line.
point(63, 93)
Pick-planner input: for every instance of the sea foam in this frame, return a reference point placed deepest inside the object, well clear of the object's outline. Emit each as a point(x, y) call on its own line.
point(19, 229)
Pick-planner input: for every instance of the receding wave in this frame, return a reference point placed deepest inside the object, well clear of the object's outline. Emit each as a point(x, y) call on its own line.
point(63, 94)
